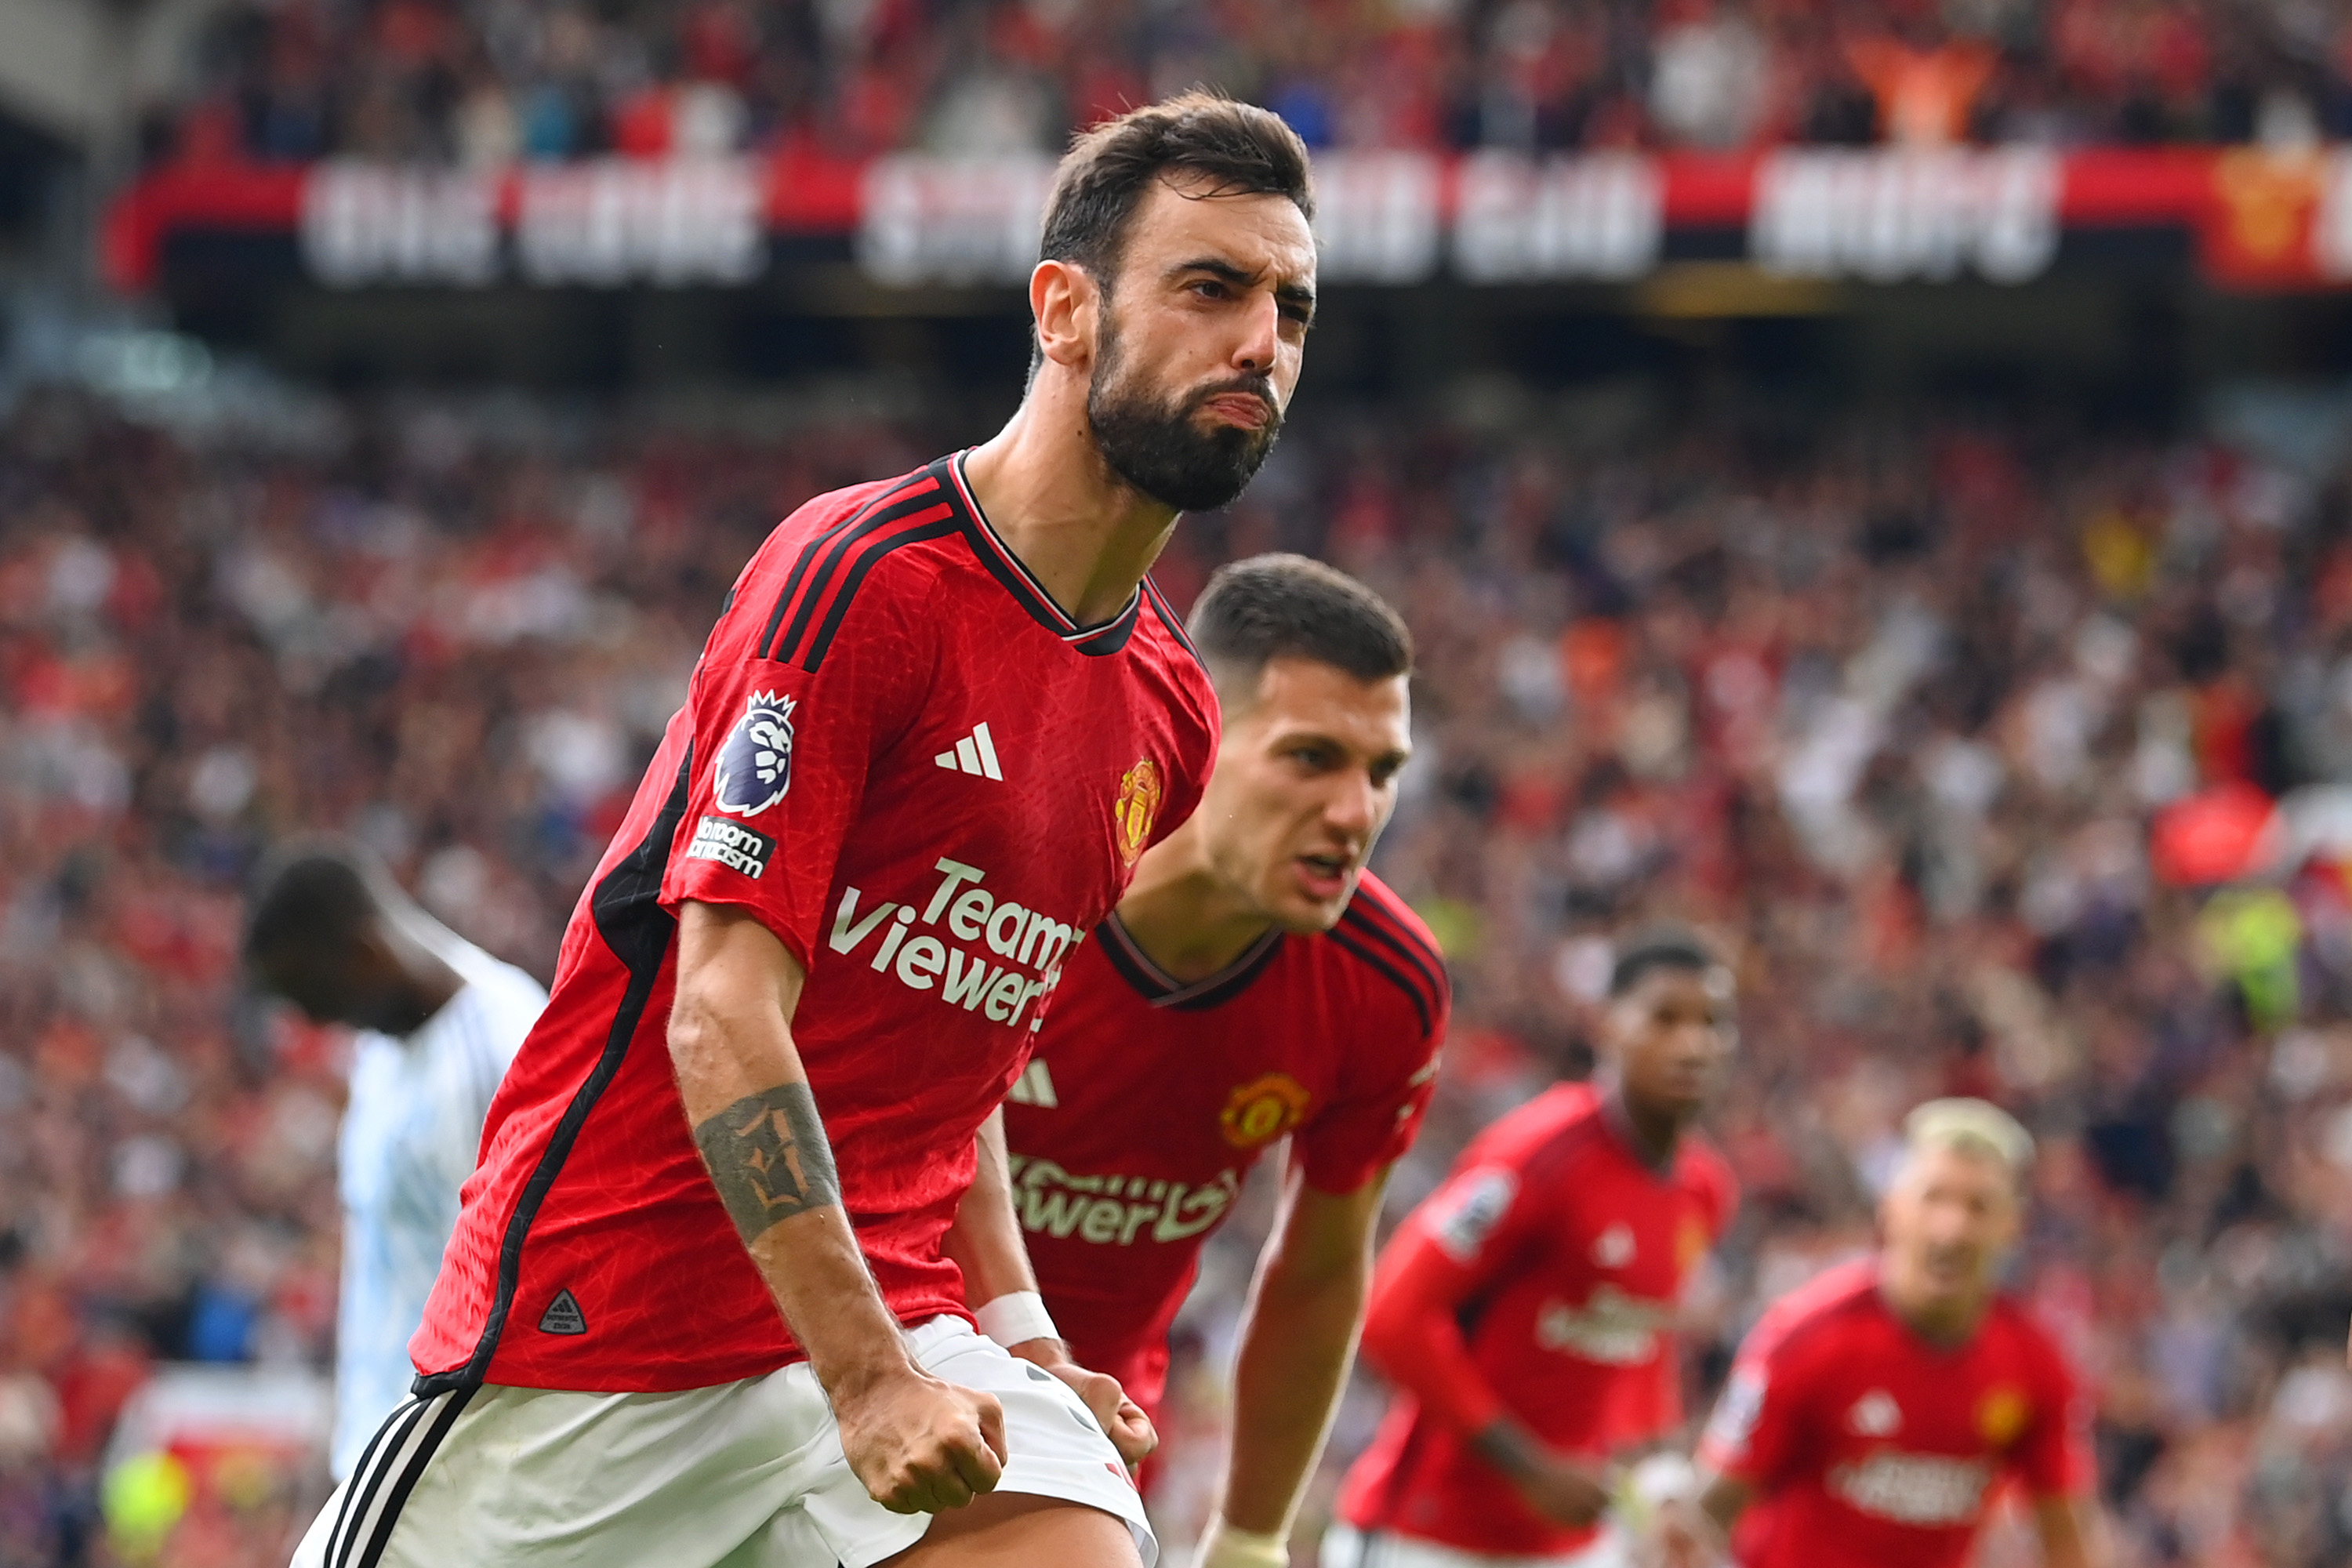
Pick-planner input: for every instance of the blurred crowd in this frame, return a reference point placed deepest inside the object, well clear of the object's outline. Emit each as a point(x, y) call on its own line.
point(1889, 704)
point(483, 82)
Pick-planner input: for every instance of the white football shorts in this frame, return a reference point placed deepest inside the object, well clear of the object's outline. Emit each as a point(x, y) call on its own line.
point(745, 1475)
point(1344, 1546)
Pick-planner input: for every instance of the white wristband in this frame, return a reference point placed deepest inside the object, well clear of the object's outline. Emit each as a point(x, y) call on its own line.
point(1016, 1317)
point(1224, 1546)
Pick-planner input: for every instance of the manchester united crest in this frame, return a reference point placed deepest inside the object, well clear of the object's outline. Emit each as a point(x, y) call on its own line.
point(1141, 791)
point(1263, 1109)
point(2002, 1415)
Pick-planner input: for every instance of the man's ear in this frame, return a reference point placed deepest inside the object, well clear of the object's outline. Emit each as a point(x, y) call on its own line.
point(1067, 305)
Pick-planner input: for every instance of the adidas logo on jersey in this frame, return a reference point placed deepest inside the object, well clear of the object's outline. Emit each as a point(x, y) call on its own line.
point(974, 755)
point(1876, 1414)
point(563, 1316)
point(1033, 1087)
point(1614, 1248)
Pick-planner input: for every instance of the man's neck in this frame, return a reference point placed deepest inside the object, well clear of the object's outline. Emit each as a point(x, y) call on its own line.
point(430, 980)
point(1652, 1135)
point(1188, 920)
point(1086, 534)
point(1948, 1327)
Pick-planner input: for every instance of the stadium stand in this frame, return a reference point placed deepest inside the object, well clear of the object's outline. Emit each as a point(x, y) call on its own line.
point(1949, 723)
point(480, 84)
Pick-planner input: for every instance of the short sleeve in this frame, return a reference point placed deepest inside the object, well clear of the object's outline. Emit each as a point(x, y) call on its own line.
point(1753, 1434)
point(1378, 1111)
point(782, 752)
point(2053, 1457)
point(1482, 1217)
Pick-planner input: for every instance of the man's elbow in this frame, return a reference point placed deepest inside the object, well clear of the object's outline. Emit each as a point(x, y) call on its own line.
point(697, 1027)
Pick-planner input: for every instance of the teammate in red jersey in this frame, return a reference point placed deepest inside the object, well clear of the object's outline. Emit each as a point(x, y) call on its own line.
point(1872, 1417)
point(1526, 1311)
point(1255, 981)
point(936, 723)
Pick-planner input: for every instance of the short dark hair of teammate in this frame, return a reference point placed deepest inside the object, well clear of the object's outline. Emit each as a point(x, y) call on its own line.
point(1312, 670)
point(1227, 147)
point(330, 931)
point(1267, 607)
point(1202, 147)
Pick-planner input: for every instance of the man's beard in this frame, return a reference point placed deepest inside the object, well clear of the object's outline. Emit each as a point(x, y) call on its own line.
point(1157, 448)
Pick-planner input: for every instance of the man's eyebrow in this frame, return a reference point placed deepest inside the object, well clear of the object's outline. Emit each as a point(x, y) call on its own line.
point(1225, 271)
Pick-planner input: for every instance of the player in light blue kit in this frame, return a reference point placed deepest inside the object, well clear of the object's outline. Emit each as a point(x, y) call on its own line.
point(438, 1020)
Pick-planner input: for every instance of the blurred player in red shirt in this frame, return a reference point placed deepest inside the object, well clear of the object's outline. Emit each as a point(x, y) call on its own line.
point(1873, 1415)
point(1255, 983)
point(697, 1309)
point(1526, 1311)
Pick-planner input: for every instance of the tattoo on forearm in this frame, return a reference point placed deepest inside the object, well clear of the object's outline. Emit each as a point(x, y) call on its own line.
point(769, 1158)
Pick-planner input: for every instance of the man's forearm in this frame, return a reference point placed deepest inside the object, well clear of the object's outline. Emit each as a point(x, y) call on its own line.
point(1306, 1309)
point(1294, 1358)
point(756, 1125)
point(985, 1241)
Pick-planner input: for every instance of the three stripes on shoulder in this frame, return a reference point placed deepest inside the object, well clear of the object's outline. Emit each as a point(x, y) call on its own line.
point(974, 755)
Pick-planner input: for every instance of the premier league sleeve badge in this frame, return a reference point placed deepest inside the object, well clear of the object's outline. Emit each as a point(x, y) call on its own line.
point(755, 765)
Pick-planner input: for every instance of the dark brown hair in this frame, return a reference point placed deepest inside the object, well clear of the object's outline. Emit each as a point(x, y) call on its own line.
point(1231, 149)
point(1275, 606)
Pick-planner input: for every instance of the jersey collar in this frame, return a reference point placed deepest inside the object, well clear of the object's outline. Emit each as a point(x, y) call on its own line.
point(1105, 637)
point(1160, 989)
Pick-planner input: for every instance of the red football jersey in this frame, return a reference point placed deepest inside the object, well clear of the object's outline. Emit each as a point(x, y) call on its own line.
point(1867, 1445)
point(1543, 1280)
point(1149, 1100)
point(903, 758)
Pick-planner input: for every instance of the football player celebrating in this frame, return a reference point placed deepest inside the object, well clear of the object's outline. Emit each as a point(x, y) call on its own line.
point(696, 1310)
point(1872, 1415)
point(1525, 1311)
point(1257, 980)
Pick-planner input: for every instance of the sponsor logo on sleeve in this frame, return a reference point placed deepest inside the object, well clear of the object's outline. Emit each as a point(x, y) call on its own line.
point(732, 845)
point(1470, 1212)
point(755, 766)
point(1737, 1413)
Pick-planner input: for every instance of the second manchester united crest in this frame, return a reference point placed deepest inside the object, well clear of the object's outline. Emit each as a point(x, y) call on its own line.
point(1263, 1109)
point(1141, 791)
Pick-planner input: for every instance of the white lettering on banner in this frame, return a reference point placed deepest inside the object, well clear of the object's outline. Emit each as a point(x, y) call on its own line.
point(609, 221)
point(368, 223)
point(1112, 1211)
point(1611, 1327)
point(1925, 1489)
point(1887, 216)
point(1377, 218)
point(951, 220)
point(606, 221)
point(1520, 221)
point(961, 976)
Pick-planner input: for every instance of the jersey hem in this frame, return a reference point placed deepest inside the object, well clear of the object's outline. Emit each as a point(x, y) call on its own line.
point(426, 1383)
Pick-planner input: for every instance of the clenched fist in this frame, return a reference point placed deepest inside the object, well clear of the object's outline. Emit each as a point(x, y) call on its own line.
point(920, 1445)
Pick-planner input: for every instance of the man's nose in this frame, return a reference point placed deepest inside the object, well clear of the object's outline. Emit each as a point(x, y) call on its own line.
point(1354, 806)
point(1261, 337)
